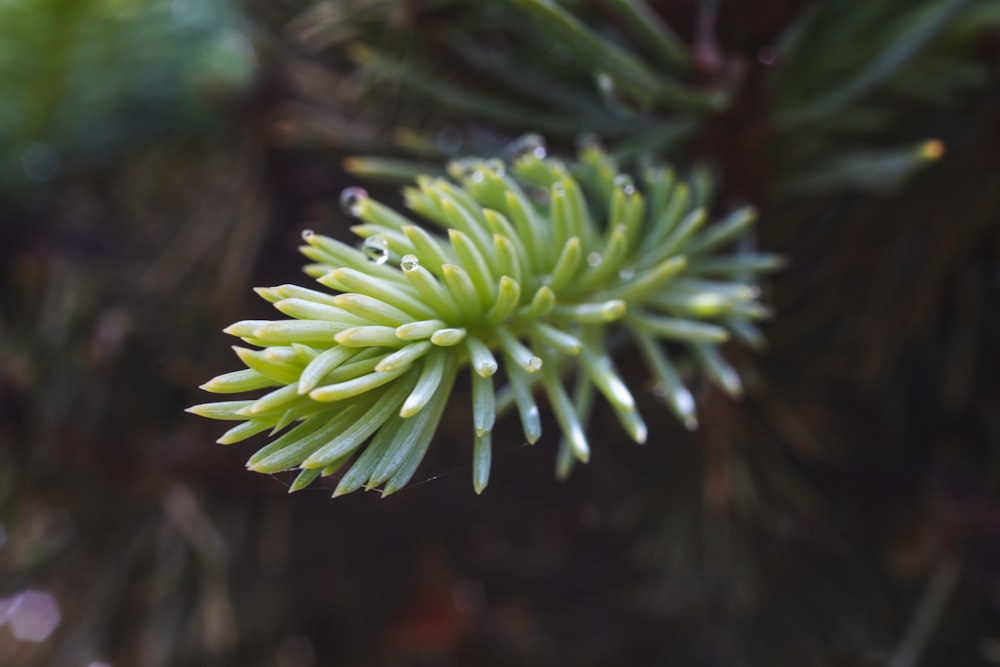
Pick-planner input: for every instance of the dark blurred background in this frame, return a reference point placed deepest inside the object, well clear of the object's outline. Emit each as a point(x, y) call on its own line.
point(158, 158)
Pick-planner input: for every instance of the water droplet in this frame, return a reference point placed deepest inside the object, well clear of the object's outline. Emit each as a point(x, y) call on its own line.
point(350, 200)
point(594, 259)
point(462, 169)
point(606, 84)
point(307, 234)
point(685, 401)
point(628, 273)
point(624, 181)
point(478, 176)
point(535, 363)
point(526, 145)
point(558, 189)
point(376, 249)
point(496, 165)
point(409, 262)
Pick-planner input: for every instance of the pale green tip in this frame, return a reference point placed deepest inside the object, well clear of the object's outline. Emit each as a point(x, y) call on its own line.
point(448, 337)
point(486, 369)
point(482, 359)
point(482, 457)
point(532, 423)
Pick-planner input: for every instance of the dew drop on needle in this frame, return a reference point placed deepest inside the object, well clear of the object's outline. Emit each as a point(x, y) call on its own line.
point(351, 200)
point(376, 249)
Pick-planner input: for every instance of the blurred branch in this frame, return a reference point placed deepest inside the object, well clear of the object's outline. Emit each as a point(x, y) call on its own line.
point(603, 56)
point(928, 613)
point(193, 523)
point(650, 29)
point(885, 65)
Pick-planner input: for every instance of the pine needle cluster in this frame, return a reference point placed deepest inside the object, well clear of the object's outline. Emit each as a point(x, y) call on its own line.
point(541, 262)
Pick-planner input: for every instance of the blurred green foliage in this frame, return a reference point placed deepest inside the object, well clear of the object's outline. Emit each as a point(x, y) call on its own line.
point(84, 77)
point(844, 513)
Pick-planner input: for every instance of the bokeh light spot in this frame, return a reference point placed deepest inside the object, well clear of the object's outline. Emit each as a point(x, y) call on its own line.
point(32, 616)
